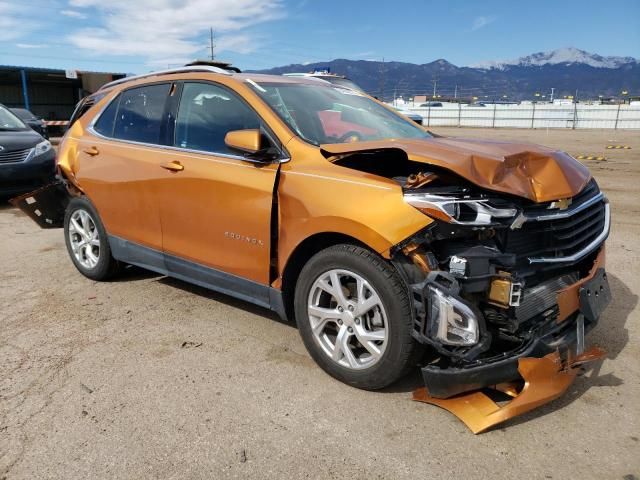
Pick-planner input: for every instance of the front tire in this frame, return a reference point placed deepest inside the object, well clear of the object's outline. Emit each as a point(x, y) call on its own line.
point(354, 315)
point(87, 241)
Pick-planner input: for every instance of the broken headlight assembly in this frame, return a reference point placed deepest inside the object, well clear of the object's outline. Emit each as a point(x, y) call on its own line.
point(451, 321)
point(461, 211)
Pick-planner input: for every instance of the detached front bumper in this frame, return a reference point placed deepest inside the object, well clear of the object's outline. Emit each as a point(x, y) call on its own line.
point(447, 382)
point(538, 371)
point(544, 380)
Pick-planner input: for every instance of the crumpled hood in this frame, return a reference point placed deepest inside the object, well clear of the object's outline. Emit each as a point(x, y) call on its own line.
point(531, 171)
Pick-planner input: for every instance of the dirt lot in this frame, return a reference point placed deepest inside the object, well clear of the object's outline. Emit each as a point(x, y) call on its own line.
point(148, 377)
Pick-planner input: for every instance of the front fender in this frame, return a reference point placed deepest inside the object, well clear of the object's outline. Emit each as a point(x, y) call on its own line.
point(375, 214)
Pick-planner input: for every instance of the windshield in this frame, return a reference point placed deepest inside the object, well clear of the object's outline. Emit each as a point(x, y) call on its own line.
point(326, 114)
point(8, 121)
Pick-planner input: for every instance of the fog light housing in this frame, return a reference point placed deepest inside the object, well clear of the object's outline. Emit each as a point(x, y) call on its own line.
point(451, 321)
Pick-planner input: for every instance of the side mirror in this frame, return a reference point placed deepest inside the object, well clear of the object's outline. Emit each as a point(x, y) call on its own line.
point(247, 141)
point(253, 144)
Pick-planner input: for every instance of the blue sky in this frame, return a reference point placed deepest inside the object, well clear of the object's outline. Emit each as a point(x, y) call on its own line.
point(140, 35)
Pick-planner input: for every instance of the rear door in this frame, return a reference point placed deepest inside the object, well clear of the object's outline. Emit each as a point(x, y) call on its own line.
point(120, 163)
point(216, 210)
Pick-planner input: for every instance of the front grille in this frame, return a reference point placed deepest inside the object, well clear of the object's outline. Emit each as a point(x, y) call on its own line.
point(14, 156)
point(561, 237)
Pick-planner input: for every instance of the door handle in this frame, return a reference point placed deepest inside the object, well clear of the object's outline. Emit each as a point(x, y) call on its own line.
point(173, 166)
point(93, 151)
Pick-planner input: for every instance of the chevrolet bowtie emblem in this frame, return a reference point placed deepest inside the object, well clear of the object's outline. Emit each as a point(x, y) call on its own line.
point(561, 204)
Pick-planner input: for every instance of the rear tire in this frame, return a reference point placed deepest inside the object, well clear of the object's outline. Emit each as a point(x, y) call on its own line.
point(87, 241)
point(359, 332)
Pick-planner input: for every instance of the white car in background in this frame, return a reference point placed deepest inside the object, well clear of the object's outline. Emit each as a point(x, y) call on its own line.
point(338, 80)
point(409, 114)
point(342, 81)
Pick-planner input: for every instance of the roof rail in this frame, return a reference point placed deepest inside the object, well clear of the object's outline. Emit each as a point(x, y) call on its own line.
point(199, 68)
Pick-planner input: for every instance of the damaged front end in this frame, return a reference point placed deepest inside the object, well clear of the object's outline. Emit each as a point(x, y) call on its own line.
point(504, 290)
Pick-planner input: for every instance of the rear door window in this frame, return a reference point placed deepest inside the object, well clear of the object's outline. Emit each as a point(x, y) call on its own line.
point(207, 113)
point(140, 114)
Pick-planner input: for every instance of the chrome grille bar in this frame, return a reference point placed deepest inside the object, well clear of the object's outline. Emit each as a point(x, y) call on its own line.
point(15, 156)
point(594, 244)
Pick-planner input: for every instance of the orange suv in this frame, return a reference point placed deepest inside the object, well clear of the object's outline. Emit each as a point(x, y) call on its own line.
point(389, 246)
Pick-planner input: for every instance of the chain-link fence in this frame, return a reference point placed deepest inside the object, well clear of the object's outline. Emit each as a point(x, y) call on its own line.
point(530, 115)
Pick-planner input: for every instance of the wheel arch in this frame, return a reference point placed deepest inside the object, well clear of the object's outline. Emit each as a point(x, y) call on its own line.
point(301, 255)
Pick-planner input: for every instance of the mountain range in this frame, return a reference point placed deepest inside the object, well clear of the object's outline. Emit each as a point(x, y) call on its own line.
point(566, 70)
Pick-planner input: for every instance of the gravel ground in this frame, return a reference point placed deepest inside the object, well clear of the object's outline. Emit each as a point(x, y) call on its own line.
point(149, 377)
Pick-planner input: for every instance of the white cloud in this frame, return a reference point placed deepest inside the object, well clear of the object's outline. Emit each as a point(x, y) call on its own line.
point(15, 21)
point(362, 54)
point(161, 30)
point(482, 21)
point(73, 14)
point(31, 45)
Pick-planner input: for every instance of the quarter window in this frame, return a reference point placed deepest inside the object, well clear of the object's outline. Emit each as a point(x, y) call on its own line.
point(104, 125)
point(140, 114)
point(206, 114)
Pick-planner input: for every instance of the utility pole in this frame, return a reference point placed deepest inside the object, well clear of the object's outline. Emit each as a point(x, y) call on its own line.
point(455, 92)
point(382, 72)
point(211, 44)
point(552, 89)
point(434, 80)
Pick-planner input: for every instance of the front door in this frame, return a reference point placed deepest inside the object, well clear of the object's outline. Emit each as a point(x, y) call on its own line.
point(215, 207)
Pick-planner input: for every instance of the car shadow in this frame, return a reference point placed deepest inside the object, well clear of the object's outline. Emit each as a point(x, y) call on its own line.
point(224, 299)
point(409, 383)
point(131, 273)
point(610, 333)
point(4, 203)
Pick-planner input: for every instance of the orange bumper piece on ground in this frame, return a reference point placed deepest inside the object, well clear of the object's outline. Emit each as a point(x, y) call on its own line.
point(545, 379)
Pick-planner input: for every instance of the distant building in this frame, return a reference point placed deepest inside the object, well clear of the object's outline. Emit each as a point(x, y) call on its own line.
point(49, 93)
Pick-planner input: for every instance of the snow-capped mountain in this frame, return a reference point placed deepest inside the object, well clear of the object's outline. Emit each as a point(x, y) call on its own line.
point(561, 56)
point(565, 70)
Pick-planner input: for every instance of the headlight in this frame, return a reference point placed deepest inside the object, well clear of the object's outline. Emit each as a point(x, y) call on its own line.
point(458, 210)
point(450, 320)
point(42, 147)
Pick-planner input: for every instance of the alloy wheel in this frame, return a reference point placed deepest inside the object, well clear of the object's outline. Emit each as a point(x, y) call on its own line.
point(348, 319)
point(84, 238)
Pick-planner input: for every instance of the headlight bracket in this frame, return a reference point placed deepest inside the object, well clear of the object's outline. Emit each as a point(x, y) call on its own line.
point(449, 286)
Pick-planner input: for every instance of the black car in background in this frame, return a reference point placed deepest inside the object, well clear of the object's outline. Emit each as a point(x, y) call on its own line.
point(37, 123)
point(27, 160)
